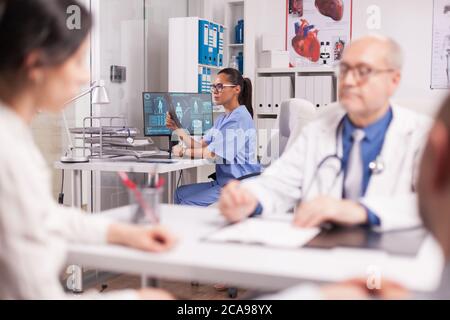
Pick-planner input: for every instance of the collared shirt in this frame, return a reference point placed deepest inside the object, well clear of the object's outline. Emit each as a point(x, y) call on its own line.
point(371, 147)
point(233, 140)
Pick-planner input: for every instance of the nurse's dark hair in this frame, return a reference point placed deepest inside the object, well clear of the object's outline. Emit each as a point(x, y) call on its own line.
point(42, 26)
point(236, 78)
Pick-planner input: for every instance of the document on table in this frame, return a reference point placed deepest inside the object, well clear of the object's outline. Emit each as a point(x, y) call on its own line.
point(265, 232)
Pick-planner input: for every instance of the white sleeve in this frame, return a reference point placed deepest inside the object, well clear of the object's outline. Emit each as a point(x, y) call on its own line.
point(399, 212)
point(278, 189)
point(78, 226)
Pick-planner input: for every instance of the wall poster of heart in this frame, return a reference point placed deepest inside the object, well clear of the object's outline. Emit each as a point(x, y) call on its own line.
point(317, 31)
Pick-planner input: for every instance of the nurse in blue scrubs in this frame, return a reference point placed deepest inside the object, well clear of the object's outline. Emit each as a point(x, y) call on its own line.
point(231, 143)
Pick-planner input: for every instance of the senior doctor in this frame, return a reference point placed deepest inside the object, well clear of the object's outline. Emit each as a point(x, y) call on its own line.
point(356, 164)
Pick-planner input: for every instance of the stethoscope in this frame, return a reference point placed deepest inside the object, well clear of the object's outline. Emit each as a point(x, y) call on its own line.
point(377, 166)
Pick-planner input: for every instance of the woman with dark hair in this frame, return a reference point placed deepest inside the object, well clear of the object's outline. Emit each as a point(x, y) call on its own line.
point(41, 67)
point(231, 143)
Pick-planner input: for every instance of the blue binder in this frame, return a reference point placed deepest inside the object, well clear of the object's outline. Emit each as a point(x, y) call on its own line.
point(211, 44)
point(200, 79)
point(203, 43)
point(215, 60)
point(221, 45)
point(208, 81)
point(204, 80)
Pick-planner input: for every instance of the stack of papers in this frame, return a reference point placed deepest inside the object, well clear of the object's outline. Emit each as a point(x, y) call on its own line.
point(265, 232)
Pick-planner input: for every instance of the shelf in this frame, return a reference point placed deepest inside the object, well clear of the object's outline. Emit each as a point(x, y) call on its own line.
point(211, 67)
point(236, 45)
point(236, 2)
point(267, 115)
point(296, 70)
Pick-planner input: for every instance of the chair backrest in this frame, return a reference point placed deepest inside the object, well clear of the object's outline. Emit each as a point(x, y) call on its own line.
point(294, 115)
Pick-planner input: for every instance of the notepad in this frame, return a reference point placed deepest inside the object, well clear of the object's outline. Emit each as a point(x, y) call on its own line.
point(266, 232)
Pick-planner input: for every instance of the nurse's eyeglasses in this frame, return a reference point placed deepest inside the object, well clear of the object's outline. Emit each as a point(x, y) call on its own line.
point(219, 87)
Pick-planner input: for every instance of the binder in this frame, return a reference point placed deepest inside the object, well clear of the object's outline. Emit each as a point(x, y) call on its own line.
point(221, 45)
point(204, 78)
point(286, 89)
point(203, 41)
point(300, 87)
point(327, 87)
point(309, 92)
point(276, 94)
point(268, 107)
point(200, 80)
point(262, 137)
point(260, 94)
point(215, 44)
point(210, 49)
point(208, 81)
point(318, 91)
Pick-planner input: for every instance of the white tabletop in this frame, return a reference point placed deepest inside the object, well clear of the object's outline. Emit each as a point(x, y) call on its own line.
point(132, 166)
point(250, 266)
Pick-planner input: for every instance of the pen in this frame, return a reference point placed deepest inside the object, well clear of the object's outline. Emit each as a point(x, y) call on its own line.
point(138, 195)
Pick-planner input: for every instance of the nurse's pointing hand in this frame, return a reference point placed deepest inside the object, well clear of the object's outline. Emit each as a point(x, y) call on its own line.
point(236, 203)
point(327, 209)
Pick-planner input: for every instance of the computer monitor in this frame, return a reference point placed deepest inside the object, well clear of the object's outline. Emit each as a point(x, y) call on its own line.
point(194, 111)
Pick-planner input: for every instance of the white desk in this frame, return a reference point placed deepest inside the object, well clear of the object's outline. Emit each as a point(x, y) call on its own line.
point(252, 266)
point(122, 166)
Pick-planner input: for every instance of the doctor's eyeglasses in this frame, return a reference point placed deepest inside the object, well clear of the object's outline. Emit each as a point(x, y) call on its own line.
point(361, 72)
point(219, 87)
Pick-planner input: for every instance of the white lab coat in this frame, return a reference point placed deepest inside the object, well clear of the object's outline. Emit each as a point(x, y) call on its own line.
point(34, 230)
point(391, 194)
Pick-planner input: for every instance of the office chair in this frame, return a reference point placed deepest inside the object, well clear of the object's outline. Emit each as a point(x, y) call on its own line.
point(294, 115)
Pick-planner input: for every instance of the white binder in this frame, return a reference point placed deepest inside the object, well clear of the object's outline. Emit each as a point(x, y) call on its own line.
point(276, 95)
point(260, 94)
point(318, 91)
point(327, 90)
point(268, 108)
point(300, 87)
point(286, 89)
point(310, 89)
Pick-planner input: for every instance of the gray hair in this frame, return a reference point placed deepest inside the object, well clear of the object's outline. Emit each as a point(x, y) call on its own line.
point(394, 57)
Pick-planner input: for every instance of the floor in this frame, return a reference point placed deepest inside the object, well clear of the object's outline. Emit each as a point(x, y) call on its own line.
point(180, 290)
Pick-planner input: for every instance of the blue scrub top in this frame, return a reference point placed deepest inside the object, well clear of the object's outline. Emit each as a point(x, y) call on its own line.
point(233, 140)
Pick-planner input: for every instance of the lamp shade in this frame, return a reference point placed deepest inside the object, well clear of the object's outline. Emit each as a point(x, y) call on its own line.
point(99, 94)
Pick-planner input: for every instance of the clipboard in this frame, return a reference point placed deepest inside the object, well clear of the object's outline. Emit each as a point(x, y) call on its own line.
point(399, 242)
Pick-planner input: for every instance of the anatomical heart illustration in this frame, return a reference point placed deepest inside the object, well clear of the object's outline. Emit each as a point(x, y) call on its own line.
point(317, 31)
point(306, 43)
point(331, 8)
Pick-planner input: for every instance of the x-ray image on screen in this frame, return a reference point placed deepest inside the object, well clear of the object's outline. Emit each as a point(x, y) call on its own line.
point(191, 111)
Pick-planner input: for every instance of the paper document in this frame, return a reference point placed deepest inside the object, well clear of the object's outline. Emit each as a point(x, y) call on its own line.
point(265, 232)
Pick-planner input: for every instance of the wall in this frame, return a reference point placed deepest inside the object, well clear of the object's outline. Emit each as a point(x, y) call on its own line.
point(157, 33)
point(410, 25)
